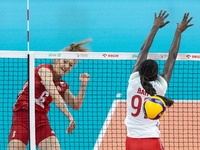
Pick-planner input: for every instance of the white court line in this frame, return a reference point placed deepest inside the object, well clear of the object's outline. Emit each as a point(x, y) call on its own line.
point(106, 123)
point(109, 117)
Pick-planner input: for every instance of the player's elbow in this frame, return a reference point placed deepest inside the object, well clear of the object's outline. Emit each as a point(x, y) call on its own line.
point(174, 55)
point(172, 58)
point(76, 107)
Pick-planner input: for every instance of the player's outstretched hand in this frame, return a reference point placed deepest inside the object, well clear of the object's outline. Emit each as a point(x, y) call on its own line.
point(84, 78)
point(185, 23)
point(71, 127)
point(159, 21)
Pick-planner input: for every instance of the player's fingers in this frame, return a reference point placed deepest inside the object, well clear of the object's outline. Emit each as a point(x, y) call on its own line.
point(71, 131)
point(160, 12)
point(166, 16)
point(155, 14)
point(187, 15)
point(190, 19)
point(164, 13)
point(190, 25)
point(70, 127)
point(184, 17)
point(86, 75)
point(67, 131)
point(167, 22)
point(74, 125)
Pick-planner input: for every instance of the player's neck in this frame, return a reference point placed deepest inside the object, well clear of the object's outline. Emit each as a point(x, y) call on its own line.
point(56, 77)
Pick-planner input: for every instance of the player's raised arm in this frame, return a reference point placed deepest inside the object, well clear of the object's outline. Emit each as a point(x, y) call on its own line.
point(169, 65)
point(76, 102)
point(158, 23)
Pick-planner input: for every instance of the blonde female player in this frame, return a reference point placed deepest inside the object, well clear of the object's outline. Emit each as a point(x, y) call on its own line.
point(143, 133)
point(49, 87)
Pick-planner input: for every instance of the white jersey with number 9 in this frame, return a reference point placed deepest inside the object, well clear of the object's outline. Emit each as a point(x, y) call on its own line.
point(138, 126)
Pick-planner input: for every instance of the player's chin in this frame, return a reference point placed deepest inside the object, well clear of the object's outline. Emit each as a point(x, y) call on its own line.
point(64, 73)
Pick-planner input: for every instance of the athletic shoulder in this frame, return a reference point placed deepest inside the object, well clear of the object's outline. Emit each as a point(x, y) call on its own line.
point(134, 76)
point(48, 66)
point(44, 68)
point(161, 81)
point(160, 85)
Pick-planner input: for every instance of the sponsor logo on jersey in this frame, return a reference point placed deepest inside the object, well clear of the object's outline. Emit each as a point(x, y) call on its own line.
point(52, 132)
point(58, 88)
point(14, 132)
point(62, 84)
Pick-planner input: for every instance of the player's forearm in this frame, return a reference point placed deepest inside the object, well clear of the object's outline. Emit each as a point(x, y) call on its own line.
point(79, 98)
point(169, 65)
point(145, 48)
point(175, 45)
point(149, 39)
point(60, 104)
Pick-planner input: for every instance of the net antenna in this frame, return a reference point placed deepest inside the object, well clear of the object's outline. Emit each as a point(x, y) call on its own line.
point(28, 25)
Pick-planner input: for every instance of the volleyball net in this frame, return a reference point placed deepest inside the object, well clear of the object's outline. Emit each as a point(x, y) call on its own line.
point(100, 120)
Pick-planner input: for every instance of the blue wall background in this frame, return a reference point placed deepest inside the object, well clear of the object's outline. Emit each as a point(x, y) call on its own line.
point(114, 25)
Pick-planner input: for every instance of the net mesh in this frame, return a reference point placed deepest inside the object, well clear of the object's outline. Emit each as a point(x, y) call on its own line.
point(13, 74)
point(100, 120)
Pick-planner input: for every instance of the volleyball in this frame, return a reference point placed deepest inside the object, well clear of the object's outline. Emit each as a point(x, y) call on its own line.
point(154, 108)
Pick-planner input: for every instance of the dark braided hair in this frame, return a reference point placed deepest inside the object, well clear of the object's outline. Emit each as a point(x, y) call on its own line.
point(167, 101)
point(148, 72)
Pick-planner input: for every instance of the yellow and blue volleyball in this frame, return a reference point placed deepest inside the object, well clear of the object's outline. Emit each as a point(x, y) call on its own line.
point(154, 108)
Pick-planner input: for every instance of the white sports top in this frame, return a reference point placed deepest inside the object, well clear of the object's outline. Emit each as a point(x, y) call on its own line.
point(139, 126)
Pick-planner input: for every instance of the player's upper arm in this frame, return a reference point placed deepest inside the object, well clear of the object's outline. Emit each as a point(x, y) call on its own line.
point(141, 57)
point(68, 98)
point(135, 68)
point(47, 80)
point(168, 68)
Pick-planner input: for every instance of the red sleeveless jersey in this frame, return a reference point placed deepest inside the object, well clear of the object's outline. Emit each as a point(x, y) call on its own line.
point(42, 97)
